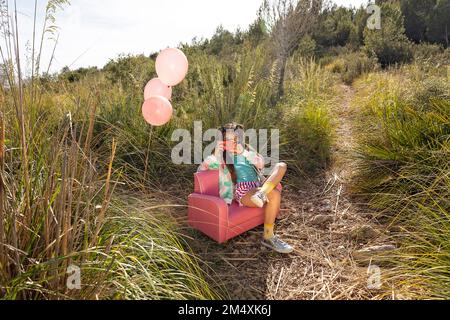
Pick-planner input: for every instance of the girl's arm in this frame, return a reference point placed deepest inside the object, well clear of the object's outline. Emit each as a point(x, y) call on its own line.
point(210, 163)
point(253, 157)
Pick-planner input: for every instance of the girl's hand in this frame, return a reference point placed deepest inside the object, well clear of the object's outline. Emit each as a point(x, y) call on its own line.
point(239, 148)
point(218, 152)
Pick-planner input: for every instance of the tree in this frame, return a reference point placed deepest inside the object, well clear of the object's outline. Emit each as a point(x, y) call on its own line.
point(257, 32)
point(75, 75)
point(360, 21)
point(416, 15)
point(224, 41)
point(288, 21)
point(390, 44)
point(427, 20)
point(130, 71)
point(439, 23)
point(335, 27)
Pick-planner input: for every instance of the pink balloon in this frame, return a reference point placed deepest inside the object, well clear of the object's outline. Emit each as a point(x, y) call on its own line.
point(157, 110)
point(155, 87)
point(171, 66)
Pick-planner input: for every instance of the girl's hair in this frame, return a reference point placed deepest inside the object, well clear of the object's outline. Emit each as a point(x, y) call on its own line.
point(233, 126)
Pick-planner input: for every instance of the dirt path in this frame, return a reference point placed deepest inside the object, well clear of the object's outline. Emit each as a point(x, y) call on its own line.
point(323, 223)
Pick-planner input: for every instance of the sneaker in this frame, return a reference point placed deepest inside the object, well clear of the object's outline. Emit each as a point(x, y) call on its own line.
point(277, 244)
point(259, 199)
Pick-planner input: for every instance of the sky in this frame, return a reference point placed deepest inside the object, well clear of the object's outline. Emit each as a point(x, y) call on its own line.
point(91, 32)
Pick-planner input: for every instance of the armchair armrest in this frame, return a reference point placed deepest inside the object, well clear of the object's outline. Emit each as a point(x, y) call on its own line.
point(208, 214)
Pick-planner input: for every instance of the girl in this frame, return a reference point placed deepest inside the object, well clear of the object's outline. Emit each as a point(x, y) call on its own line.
point(241, 167)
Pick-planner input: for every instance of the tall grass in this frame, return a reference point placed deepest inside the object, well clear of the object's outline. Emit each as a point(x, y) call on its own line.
point(307, 115)
point(404, 170)
point(58, 201)
point(352, 65)
point(149, 260)
point(215, 92)
point(239, 88)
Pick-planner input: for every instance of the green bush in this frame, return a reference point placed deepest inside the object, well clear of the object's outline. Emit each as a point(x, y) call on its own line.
point(352, 65)
point(76, 75)
point(390, 44)
point(310, 132)
point(132, 72)
point(429, 57)
point(432, 88)
point(307, 47)
point(424, 51)
point(306, 113)
point(148, 259)
point(335, 27)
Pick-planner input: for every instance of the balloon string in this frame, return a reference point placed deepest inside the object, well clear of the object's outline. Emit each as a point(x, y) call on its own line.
point(148, 153)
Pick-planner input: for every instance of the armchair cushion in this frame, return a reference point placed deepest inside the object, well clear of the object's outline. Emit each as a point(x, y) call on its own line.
point(238, 215)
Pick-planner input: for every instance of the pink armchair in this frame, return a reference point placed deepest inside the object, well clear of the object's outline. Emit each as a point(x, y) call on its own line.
point(211, 215)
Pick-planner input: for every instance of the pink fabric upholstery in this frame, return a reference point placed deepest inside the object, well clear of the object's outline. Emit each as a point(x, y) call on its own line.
point(211, 215)
point(207, 182)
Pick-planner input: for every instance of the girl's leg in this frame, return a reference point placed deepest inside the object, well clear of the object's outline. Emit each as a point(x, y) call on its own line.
point(274, 178)
point(271, 209)
point(246, 200)
point(273, 195)
point(261, 197)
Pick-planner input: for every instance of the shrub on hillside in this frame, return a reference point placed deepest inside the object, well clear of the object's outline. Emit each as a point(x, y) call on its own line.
point(130, 71)
point(352, 65)
point(390, 44)
point(431, 56)
point(310, 131)
point(307, 47)
point(425, 50)
point(431, 89)
point(307, 118)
